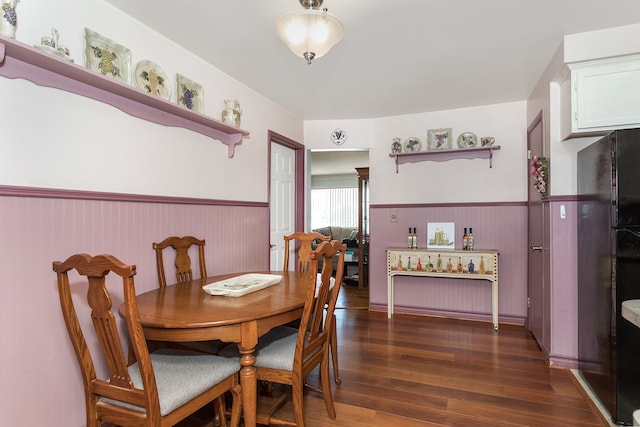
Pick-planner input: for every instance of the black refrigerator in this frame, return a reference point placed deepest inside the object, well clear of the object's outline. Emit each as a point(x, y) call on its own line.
point(609, 270)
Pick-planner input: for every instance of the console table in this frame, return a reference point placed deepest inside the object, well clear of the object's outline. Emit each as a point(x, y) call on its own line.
point(477, 264)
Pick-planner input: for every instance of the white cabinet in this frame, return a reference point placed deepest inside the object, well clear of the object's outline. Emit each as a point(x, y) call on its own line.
point(600, 96)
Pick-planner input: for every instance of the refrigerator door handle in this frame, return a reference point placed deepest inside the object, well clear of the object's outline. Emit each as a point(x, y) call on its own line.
point(536, 248)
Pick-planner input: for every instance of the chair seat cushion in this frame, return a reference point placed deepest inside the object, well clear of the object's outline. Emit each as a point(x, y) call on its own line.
point(181, 377)
point(275, 349)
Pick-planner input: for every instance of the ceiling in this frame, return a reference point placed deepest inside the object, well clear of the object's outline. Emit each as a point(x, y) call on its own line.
point(397, 57)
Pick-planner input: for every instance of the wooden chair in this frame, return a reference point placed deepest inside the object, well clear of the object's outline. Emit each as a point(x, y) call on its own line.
point(304, 263)
point(184, 274)
point(287, 356)
point(182, 261)
point(304, 253)
point(159, 389)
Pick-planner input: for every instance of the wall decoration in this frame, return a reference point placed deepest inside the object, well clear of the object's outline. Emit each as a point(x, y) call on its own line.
point(439, 139)
point(540, 173)
point(338, 137)
point(107, 57)
point(441, 235)
point(190, 94)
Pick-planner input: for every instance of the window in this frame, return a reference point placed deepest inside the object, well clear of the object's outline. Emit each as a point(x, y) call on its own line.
point(334, 206)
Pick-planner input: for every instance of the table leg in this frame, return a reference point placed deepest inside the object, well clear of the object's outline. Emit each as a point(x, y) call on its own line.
point(248, 379)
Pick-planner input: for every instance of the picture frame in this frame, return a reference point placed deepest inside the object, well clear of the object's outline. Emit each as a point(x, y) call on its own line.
point(441, 235)
point(439, 139)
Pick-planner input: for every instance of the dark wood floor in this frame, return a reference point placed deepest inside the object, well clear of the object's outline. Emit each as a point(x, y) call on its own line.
point(424, 371)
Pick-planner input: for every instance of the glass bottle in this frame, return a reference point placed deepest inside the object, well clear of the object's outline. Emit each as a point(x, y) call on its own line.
point(465, 240)
point(459, 266)
point(481, 269)
point(439, 264)
point(449, 266)
point(410, 239)
point(419, 266)
point(399, 262)
point(409, 264)
point(415, 239)
point(429, 265)
point(470, 238)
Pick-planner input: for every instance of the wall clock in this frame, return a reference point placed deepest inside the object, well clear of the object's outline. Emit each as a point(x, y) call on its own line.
point(338, 136)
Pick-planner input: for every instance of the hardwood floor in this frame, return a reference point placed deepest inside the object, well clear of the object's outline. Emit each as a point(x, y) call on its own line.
point(425, 371)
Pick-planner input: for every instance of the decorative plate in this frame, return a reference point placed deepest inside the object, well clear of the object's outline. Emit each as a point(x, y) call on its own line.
point(190, 94)
point(467, 140)
point(439, 139)
point(412, 145)
point(396, 147)
point(487, 141)
point(338, 136)
point(58, 53)
point(150, 78)
point(107, 57)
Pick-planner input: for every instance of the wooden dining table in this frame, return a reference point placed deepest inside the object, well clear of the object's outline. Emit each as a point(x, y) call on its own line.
point(185, 313)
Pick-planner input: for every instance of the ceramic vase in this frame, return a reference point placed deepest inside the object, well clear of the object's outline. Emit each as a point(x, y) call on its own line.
point(8, 18)
point(231, 113)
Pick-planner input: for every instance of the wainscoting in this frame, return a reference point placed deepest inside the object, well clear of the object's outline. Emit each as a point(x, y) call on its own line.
point(40, 226)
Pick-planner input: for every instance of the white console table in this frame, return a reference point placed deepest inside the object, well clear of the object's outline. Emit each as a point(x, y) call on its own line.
point(476, 264)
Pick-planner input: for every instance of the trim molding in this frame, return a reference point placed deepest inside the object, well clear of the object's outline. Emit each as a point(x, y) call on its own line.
point(402, 309)
point(444, 205)
point(56, 193)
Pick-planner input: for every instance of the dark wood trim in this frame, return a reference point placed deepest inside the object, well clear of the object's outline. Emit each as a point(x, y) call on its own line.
point(56, 193)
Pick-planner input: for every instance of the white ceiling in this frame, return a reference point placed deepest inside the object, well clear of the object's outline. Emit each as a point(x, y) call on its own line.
point(397, 57)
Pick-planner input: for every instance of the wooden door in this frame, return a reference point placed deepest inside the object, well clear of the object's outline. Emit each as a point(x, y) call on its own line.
point(536, 249)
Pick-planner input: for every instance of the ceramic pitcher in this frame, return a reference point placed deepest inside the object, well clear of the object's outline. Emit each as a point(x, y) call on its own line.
point(8, 18)
point(231, 113)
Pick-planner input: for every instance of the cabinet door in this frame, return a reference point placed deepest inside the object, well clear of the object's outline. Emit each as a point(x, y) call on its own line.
point(605, 95)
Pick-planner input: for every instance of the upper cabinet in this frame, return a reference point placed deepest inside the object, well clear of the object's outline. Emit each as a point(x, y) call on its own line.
point(18, 60)
point(600, 96)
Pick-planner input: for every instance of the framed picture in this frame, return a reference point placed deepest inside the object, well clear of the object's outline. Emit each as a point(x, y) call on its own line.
point(439, 139)
point(441, 235)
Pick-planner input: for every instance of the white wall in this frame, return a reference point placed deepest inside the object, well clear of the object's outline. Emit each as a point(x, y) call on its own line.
point(52, 131)
point(459, 180)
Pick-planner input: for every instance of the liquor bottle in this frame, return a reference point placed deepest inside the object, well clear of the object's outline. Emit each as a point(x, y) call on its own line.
point(410, 239)
point(465, 240)
point(439, 264)
point(449, 266)
point(470, 240)
point(481, 268)
point(415, 239)
point(429, 265)
point(419, 266)
point(459, 266)
point(409, 264)
point(399, 262)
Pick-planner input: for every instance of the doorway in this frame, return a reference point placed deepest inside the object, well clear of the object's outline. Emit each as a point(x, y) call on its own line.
point(340, 173)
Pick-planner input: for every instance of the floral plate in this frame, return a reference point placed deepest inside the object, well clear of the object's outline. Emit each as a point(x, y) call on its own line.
point(412, 145)
point(190, 94)
point(107, 57)
point(467, 140)
point(150, 78)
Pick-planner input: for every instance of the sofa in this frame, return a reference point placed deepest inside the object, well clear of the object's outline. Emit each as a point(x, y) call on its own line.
point(348, 235)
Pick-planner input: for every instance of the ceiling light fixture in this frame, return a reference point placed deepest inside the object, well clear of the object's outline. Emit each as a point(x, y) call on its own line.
point(309, 33)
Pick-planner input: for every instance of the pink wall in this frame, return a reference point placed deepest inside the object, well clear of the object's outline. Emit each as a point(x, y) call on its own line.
point(39, 377)
point(500, 226)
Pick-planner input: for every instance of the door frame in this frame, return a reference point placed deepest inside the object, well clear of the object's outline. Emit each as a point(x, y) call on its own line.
point(537, 121)
point(276, 138)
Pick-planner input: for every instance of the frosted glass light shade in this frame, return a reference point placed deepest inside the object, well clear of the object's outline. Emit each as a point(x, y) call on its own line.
point(309, 33)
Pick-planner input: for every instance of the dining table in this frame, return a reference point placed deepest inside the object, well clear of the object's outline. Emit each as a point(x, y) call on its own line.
point(186, 313)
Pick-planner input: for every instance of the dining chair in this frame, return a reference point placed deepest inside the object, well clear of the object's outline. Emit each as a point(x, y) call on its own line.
point(184, 274)
point(304, 264)
point(155, 389)
point(288, 356)
point(182, 261)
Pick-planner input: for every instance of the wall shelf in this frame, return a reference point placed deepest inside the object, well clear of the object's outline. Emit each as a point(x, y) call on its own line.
point(445, 155)
point(18, 60)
